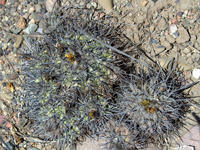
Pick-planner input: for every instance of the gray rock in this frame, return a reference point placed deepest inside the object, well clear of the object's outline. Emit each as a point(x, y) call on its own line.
point(13, 10)
point(162, 25)
point(1, 12)
point(31, 28)
point(36, 17)
point(183, 37)
point(7, 37)
point(175, 34)
point(37, 7)
point(42, 24)
point(16, 31)
point(15, 49)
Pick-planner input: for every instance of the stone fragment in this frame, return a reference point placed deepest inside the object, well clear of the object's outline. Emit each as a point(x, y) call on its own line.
point(8, 36)
point(144, 3)
point(31, 28)
point(162, 25)
point(21, 23)
point(18, 41)
point(38, 8)
point(170, 39)
point(36, 17)
point(31, 21)
point(106, 4)
point(179, 14)
point(49, 5)
point(173, 28)
point(196, 73)
point(16, 31)
point(31, 9)
point(174, 21)
point(22, 122)
point(183, 37)
point(166, 44)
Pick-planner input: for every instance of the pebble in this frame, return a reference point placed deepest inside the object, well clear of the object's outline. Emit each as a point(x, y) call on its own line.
point(144, 3)
point(174, 21)
point(31, 21)
point(179, 14)
point(13, 10)
point(43, 11)
point(17, 31)
point(49, 5)
point(170, 39)
point(175, 34)
point(31, 9)
point(173, 28)
point(196, 73)
point(162, 25)
point(36, 17)
point(7, 37)
point(31, 28)
point(18, 41)
point(2, 62)
point(38, 8)
point(183, 37)
point(106, 4)
point(21, 23)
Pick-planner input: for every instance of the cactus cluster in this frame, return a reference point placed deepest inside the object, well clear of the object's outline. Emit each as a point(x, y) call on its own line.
point(68, 81)
point(152, 107)
point(72, 90)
